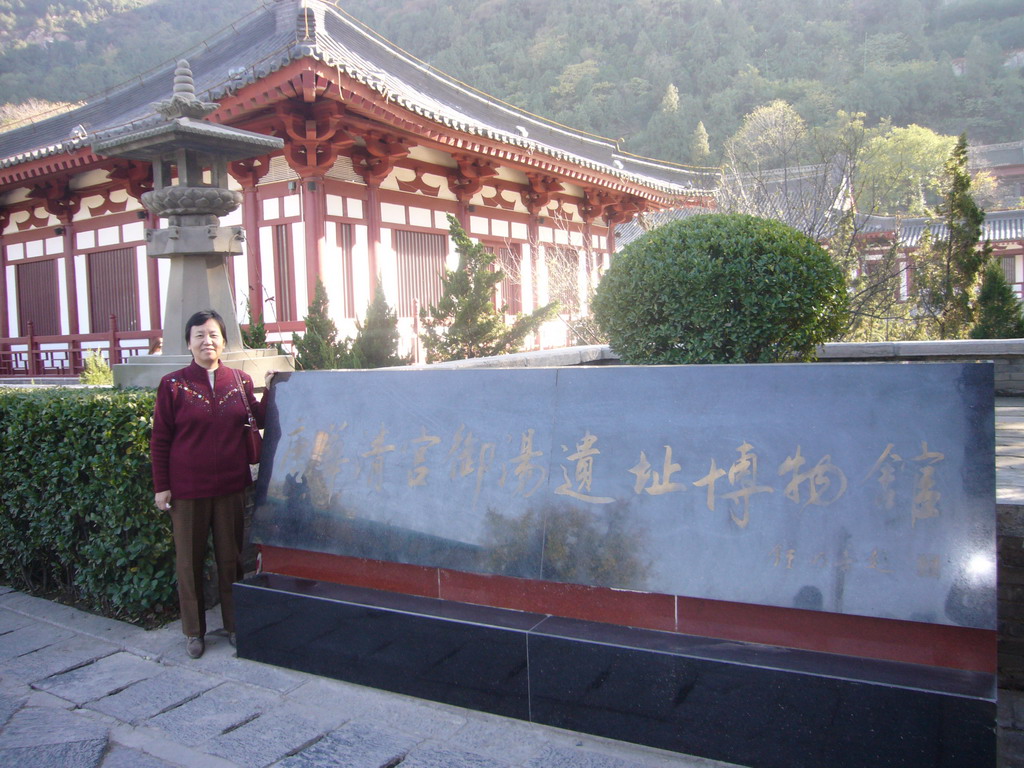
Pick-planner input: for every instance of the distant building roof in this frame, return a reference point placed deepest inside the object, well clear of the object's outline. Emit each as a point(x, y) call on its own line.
point(278, 34)
point(996, 155)
point(999, 226)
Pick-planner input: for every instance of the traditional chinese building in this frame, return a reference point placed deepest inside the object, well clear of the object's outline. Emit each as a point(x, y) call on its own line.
point(379, 149)
point(1003, 229)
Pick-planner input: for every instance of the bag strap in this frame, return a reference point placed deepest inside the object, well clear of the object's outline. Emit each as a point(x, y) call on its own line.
point(241, 394)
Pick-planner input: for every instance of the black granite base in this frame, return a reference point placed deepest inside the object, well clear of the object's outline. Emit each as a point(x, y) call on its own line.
point(749, 704)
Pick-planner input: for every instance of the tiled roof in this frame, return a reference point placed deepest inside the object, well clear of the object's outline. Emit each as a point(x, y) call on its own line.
point(287, 30)
point(999, 226)
point(996, 155)
point(645, 222)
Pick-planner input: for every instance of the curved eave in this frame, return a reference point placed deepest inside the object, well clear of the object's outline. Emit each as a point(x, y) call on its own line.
point(37, 168)
point(361, 95)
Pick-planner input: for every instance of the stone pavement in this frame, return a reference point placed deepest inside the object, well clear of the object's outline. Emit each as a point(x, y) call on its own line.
point(1010, 450)
point(82, 691)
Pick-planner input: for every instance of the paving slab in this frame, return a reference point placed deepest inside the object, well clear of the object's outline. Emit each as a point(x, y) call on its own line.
point(212, 713)
point(345, 700)
point(569, 757)
point(75, 754)
point(30, 638)
point(157, 744)
point(267, 739)
point(155, 695)
point(423, 719)
point(8, 706)
point(100, 678)
point(68, 653)
point(125, 757)
point(491, 736)
point(437, 756)
point(10, 621)
point(220, 659)
point(354, 745)
point(39, 736)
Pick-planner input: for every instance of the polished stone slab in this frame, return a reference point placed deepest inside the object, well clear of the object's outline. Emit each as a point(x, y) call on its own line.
point(756, 705)
point(469, 656)
point(763, 707)
point(863, 489)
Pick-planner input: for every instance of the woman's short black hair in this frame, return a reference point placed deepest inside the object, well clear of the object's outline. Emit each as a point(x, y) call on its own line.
point(200, 318)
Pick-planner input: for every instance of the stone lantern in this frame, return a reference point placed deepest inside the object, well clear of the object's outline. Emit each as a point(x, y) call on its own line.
point(190, 156)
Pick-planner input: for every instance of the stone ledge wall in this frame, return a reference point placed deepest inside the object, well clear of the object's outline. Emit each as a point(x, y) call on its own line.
point(1007, 354)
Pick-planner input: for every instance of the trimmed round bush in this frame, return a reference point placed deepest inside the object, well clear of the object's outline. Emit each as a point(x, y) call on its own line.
point(721, 288)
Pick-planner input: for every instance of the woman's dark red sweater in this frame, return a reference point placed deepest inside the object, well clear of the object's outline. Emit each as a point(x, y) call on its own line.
point(198, 445)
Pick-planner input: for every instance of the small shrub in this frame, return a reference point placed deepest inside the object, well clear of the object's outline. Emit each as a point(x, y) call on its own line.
point(96, 372)
point(721, 288)
point(76, 501)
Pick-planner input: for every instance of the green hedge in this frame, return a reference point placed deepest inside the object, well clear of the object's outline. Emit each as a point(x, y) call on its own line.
point(76, 510)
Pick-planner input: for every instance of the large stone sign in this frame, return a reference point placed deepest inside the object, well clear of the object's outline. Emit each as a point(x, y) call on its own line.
point(856, 489)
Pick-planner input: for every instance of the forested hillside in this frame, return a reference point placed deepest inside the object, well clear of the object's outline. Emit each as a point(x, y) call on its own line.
point(70, 50)
point(647, 72)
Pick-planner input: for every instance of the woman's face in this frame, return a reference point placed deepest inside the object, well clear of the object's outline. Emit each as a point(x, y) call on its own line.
point(206, 342)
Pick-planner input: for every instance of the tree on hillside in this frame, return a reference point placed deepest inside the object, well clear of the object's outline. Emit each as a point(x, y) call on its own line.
point(376, 341)
point(947, 269)
point(999, 310)
point(902, 171)
point(700, 147)
point(776, 169)
point(465, 323)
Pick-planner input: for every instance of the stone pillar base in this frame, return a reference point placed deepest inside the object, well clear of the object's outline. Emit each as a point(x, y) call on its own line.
point(147, 370)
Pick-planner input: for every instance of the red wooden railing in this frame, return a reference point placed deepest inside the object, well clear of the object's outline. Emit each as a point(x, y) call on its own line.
point(43, 356)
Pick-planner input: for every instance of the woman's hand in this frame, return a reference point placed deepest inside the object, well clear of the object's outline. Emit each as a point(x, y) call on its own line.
point(267, 378)
point(163, 501)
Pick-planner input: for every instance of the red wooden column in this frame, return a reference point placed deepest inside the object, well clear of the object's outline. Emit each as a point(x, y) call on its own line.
point(248, 173)
point(69, 276)
point(535, 196)
point(314, 220)
point(374, 162)
point(466, 181)
point(61, 202)
point(5, 331)
point(314, 133)
point(156, 319)
point(136, 177)
point(372, 232)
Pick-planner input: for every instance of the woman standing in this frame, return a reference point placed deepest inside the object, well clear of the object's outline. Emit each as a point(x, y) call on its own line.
point(201, 469)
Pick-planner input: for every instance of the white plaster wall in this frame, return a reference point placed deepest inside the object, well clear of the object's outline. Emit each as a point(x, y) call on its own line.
point(82, 292)
point(62, 295)
point(12, 301)
point(141, 266)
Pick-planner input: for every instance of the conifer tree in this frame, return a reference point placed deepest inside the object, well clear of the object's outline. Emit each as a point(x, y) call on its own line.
point(700, 148)
point(376, 342)
point(1000, 314)
point(255, 336)
point(946, 271)
point(465, 323)
point(319, 348)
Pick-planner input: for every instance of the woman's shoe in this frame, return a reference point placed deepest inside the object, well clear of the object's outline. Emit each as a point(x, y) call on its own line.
point(195, 647)
point(231, 639)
